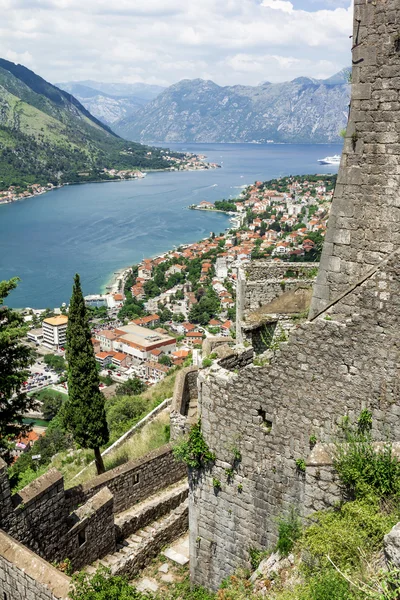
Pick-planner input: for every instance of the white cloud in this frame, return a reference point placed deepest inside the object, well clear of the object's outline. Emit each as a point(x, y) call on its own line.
point(236, 41)
point(278, 5)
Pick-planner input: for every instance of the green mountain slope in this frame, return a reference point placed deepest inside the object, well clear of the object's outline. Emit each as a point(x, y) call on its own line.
point(46, 135)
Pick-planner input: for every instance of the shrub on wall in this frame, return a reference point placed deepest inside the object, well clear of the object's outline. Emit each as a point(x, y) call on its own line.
point(193, 450)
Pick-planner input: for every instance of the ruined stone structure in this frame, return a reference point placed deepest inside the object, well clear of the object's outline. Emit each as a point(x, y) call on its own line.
point(270, 295)
point(89, 522)
point(259, 420)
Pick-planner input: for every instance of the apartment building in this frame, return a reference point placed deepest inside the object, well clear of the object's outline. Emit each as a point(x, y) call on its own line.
point(55, 331)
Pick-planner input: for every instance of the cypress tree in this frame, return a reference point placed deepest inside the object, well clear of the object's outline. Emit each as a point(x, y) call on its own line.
point(84, 412)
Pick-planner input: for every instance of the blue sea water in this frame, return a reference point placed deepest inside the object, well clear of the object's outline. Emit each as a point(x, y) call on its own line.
point(95, 229)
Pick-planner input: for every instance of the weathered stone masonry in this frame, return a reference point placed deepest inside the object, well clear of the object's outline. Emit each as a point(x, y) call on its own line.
point(79, 523)
point(343, 361)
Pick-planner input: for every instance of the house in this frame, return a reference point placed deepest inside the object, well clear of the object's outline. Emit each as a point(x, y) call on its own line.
point(179, 357)
point(154, 372)
point(188, 327)
point(106, 339)
point(120, 359)
point(194, 338)
point(104, 358)
point(138, 342)
point(138, 291)
point(156, 353)
point(24, 442)
point(96, 345)
point(308, 245)
point(215, 323)
point(205, 204)
point(149, 321)
point(281, 248)
point(175, 269)
point(35, 335)
point(145, 269)
point(226, 328)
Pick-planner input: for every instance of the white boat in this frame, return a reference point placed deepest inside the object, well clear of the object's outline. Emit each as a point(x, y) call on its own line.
point(330, 160)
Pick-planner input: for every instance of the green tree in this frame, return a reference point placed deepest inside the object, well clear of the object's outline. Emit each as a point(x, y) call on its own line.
point(55, 362)
point(131, 387)
point(15, 359)
point(84, 413)
point(51, 404)
point(165, 360)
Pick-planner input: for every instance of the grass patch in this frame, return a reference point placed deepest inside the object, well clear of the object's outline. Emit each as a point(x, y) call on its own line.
point(38, 395)
point(151, 436)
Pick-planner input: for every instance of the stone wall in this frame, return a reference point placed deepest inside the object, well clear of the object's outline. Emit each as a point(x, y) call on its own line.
point(132, 482)
point(267, 292)
point(25, 576)
point(364, 220)
point(266, 281)
point(128, 522)
point(92, 532)
point(162, 533)
point(79, 523)
point(185, 397)
point(39, 517)
point(329, 368)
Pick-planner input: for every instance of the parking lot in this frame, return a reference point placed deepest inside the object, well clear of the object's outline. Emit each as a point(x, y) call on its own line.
point(41, 376)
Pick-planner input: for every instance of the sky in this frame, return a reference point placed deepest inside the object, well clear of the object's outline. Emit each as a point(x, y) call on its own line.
point(163, 41)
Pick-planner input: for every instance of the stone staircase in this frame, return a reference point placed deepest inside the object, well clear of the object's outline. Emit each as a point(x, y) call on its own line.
point(143, 530)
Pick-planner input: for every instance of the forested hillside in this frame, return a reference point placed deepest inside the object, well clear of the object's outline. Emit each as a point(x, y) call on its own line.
point(46, 135)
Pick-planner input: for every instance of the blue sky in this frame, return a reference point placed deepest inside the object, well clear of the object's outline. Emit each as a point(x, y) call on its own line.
point(312, 5)
point(160, 41)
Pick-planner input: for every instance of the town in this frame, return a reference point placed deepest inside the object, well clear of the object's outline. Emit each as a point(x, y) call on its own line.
point(156, 315)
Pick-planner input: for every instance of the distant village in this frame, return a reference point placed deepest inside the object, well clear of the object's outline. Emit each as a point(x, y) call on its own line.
point(188, 162)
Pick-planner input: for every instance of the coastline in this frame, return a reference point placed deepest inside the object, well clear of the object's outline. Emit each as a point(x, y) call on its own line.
point(113, 180)
point(113, 281)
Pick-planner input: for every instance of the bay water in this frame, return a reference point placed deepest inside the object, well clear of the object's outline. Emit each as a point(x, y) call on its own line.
point(96, 228)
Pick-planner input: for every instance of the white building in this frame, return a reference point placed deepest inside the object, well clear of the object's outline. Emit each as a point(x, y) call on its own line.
point(138, 342)
point(35, 335)
point(221, 268)
point(55, 331)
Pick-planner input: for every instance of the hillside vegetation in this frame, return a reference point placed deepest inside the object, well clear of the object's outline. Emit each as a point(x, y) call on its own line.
point(46, 135)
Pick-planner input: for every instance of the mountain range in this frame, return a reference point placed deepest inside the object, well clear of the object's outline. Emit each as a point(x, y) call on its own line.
point(303, 110)
point(47, 135)
point(110, 102)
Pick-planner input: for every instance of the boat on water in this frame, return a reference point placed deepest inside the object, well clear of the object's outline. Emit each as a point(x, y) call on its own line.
point(330, 160)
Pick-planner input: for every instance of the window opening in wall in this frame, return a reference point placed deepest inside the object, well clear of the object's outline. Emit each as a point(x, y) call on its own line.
point(5, 597)
point(264, 421)
point(136, 478)
point(81, 537)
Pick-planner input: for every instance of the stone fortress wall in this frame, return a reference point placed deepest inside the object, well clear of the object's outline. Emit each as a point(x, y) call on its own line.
point(25, 576)
point(80, 523)
point(343, 361)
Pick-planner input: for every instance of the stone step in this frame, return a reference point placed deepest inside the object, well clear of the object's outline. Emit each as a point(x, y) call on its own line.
point(138, 519)
point(176, 557)
point(137, 551)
